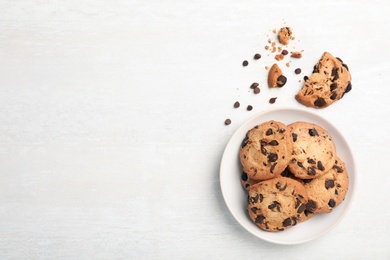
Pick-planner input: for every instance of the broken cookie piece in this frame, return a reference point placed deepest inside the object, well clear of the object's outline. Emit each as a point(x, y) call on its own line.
point(285, 35)
point(276, 77)
point(328, 83)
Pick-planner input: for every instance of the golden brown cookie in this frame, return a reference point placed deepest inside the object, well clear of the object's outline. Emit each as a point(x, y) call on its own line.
point(313, 152)
point(266, 150)
point(328, 190)
point(276, 77)
point(328, 83)
point(276, 204)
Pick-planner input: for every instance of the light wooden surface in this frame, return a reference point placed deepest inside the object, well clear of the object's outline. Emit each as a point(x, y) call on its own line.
point(111, 124)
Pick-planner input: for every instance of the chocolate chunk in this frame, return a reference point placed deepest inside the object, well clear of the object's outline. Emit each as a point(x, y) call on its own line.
point(273, 143)
point(272, 157)
point(311, 171)
point(272, 100)
point(320, 102)
point(282, 130)
point(311, 206)
point(244, 176)
point(298, 71)
point(249, 108)
point(349, 87)
point(264, 151)
point(294, 136)
point(280, 187)
point(297, 202)
point(329, 184)
point(245, 63)
point(315, 69)
point(285, 52)
point(332, 203)
point(311, 161)
point(259, 219)
point(254, 210)
point(245, 141)
point(269, 132)
point(333, 86)
point(254, 199)
point(336, 192)
point(335, 74)
point(281, 81)
point(305, 78)
point(273, 167)
point(300, 164)
point(287, 222)
point(256, 90)
point(254, 85)
point(307, 180)
point(339, 59)
point(338, 168)
point(228, 121)
point(320, 166)
point(345, 66)
point(333, 96)
point(274, 206)
point(301, 208)
point(313, 132)
point(236, 104)
point(257, 56)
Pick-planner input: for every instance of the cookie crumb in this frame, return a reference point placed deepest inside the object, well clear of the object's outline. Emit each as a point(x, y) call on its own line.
point(285, 35)
point(296, 54)
point(228, 121)
point(279, 57)
point(266, 47)
point(267, 67)
point(288, 64)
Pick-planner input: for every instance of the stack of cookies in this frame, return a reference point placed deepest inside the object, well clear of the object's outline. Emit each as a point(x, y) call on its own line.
point(290, 173)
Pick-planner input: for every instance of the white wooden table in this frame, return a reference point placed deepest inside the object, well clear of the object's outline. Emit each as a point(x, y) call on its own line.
point(111, 124)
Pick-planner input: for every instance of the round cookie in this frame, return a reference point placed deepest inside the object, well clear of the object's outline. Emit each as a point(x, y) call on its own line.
point(328, 83)
point(328, 190)
point(276, 204)
point(313, 152)
point(266, 150)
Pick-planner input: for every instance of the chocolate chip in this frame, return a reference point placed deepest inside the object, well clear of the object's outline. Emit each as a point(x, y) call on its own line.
point(254, 199)
point(273, 143)
point(305, 78)
point(254, 210)
point(280, 187)
point(244, 176)
point(245, 63)
point(254, 85)
point(236, 104)
point(311, 206)
point(263, 151)
point(345, 66)
point(272, 100)
point(259, 219)
point(298, 71)
point(249, 108)
point(297, 202)
point(228, 121)
point(282, 130)
point(273, 167)
point(333, 96)
point(320, 166)
point(257, 56)
point(336, 192)
point(274, 206)
point(281, 81)
point(329, 184)
point(294, 136)
point(339, 59)
point(313, 132)
point(300, 164)
point(320, 102)
point(349, 87)
point(332, 203)
point(333, 86)
point(301, 208)
point(338, 168)
point(311, 161)
point(335, 74)
point(269, 132)
point(272, 157)
point(315, 69)
point(284, 52)
point(287, 222)
point(307, 180)
point(245, 141)
point(256, 90)
point(311, 171)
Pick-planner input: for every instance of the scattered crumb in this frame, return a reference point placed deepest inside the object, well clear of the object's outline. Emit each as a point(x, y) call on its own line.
point(267, 67)
point(288, 64)
point(273, 49)
point(296, 54)
point(266, 47)
point(285, 35)
point(274, 30)
point(279, 57)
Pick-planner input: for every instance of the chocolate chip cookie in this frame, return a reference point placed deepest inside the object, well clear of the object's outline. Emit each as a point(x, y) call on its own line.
point(328, 83)
point(266, 150)
point(328, 190)
point(313, 152)
point(276, 204)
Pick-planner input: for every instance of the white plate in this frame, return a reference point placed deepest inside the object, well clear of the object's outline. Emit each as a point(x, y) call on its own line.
point(236, 198)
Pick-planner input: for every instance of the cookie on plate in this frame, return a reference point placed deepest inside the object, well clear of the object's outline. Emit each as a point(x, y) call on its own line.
point(328, 83)
point(328, 190)
point(313, 150)
point(276, 204)
point(266, 150)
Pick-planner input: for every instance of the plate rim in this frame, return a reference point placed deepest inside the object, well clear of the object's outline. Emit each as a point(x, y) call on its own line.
point(353, 162)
